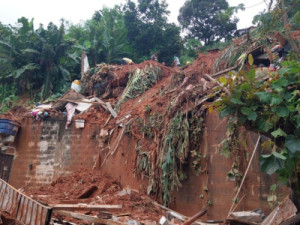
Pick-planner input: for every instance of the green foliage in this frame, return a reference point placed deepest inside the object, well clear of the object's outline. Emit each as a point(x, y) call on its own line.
point(271, 21)
point(174, 154)
point(272, 108)
point(39, 59)
point(104, 37)
point(148, 30)
point(207, 20)
point(139, 82)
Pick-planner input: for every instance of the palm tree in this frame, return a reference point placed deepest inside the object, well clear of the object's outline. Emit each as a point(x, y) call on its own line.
point(39, 57)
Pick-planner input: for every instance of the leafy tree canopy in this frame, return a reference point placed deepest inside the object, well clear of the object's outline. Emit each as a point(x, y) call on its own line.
point(208, 20)
point(40, 59)
point(148, 30)
point(104, 37)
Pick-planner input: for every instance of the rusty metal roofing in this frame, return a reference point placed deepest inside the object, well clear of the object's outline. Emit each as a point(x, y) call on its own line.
point(22, 208)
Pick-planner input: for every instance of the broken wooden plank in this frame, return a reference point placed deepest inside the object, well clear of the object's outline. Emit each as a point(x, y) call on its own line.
point(247, 217)
point(76, 201)
point(91, 219)
point(284, 211)
point(112, 111)
point(195, 217)
point(102, 103)
point(87, 192)
point(56, 207)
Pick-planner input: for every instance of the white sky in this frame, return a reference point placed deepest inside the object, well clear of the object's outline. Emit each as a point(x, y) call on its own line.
point(44, 11)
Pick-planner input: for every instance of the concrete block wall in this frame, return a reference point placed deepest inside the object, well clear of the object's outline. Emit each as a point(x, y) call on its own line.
point(46, 150)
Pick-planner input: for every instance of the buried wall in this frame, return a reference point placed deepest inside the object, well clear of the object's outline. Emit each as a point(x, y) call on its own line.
point(46, 150)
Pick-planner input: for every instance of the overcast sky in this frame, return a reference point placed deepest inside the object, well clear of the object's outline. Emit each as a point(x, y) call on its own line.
point(44, 11)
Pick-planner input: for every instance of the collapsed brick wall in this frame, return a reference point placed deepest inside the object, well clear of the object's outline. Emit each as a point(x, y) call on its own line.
point(46, 150)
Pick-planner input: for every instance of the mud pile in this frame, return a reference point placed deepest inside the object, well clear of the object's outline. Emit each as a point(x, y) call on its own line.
point(67, 189)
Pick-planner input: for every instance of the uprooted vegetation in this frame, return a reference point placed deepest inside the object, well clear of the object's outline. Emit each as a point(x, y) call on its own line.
point(163, 109)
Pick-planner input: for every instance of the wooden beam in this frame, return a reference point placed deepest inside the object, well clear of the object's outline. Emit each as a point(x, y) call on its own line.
point(91, 219)
point(224, 71)
point(85, 207)
point(112, 111)
point(195, 217)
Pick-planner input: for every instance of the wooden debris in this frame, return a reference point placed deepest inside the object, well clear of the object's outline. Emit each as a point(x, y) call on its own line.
point(292, 220)
point(104, 215)
point(91, 219)
point(76, 201)
point(87, 192)
point(215, 81)
point(224, 71)
point(244, 177)
point(120, 138)
point(107, 106)
point(112, 111)
point(281, 213)
point(195, 217)
point(56, 207)
point(102, 103)
point(70, 95)
point(247, 216)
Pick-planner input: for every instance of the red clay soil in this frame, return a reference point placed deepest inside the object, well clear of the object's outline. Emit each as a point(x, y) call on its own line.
point(204, 64)
point(66, 189)
point(157, 98)
point(17, 113)
point(123, 72)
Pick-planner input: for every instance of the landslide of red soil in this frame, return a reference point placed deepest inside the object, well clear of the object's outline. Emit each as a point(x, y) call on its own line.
point(66, 189)
point(154, 98)
point(159, 103)
point(204, 64)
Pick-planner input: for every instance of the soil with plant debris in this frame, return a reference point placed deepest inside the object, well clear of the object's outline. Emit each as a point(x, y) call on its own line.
point(66, 189)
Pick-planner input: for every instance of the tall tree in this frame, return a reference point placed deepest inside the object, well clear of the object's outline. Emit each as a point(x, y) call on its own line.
point(39, 58)
point(207, 20)
point(149, 31)
point(104, 37)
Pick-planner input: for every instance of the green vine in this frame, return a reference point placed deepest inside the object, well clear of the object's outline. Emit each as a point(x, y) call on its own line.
point(270, 106)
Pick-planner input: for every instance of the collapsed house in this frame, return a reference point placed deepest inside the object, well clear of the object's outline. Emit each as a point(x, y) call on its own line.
point(141, 134)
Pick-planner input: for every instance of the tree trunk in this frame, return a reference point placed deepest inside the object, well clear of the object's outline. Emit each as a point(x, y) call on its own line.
point(287, 28)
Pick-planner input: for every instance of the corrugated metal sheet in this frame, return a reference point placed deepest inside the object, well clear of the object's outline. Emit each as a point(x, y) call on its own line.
point(21, 207)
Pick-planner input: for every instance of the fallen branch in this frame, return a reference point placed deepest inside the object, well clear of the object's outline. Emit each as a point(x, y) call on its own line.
point(120, 138)
point(244, 177)
point(57, 207)
point(97, 161)
point(13, 116)
point(215, 81)
point(224, 71)
point(91, 219)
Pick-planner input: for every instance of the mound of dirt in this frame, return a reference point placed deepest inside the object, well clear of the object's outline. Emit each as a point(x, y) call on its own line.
point(204, 64)
point(66, 189)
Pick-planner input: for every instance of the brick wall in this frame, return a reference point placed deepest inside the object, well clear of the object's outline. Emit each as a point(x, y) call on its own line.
point(46, 150)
